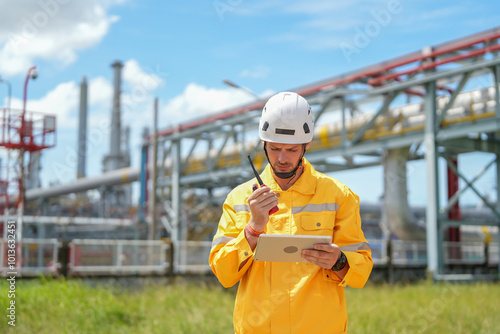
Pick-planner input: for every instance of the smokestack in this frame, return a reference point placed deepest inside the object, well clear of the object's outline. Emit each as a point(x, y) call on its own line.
point(82, 130)
point(115, 142)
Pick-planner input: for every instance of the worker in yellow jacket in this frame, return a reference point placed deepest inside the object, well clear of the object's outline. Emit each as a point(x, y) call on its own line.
point(291, 297)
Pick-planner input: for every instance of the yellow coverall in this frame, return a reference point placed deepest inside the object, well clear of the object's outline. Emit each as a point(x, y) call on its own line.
point(284, 297)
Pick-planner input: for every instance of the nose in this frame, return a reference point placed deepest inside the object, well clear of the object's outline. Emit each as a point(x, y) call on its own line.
point(282, 157)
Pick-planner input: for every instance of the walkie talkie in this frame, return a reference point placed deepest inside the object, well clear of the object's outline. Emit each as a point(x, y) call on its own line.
point(273, 210)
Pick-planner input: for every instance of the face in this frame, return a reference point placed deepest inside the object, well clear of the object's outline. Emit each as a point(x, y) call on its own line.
point(284, 158)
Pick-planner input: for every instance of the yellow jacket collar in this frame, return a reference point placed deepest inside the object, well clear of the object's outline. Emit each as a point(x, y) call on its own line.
point(306, 184)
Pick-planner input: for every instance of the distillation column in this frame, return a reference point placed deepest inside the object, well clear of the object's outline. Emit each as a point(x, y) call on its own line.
point(82, 131)
point(116, 199)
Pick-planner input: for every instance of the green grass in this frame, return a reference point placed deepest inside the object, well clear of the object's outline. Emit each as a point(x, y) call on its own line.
point(424, 308)
point(60, 306)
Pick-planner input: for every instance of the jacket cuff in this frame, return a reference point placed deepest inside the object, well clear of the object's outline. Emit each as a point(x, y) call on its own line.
point(244, 250)
point(331, 275)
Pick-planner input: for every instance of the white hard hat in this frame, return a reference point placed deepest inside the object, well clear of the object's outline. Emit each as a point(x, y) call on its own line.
point(286, 119)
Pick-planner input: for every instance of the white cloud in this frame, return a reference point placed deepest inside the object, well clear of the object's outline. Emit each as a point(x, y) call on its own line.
point(100, 93)
point(198, 101)
point(64, 102)
point(49, 29)
point(60, 101)
point(137, 77)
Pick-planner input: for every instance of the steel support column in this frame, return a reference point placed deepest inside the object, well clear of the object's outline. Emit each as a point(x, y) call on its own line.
point(175, 195)
point(453, 232)
point(431, 158)
point(154, 173)
point(498, 199)
point(496, 84)
point(344, 126)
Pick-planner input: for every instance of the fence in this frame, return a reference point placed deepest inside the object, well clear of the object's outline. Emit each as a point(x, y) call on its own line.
point(117, 257)
point(33, 257)
point(409, 254)
point(143, 257)
point(464, 252)
point(192, 256)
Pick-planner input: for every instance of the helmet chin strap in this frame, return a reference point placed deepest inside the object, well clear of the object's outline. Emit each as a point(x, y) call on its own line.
point(291, 174)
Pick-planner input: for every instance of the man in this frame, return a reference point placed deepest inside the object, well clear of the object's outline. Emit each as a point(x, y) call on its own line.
point(285, 297)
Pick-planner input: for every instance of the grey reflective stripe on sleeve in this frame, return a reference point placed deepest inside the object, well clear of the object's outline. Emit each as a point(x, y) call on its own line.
point(356, 247)
point(221, 240)
point(242, 207)
point(316, 208)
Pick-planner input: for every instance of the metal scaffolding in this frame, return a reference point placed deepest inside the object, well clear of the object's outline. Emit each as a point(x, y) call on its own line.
point(418, 100)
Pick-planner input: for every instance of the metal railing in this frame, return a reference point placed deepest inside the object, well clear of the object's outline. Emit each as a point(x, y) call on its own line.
point(117, 257)
point(143, 257)
point(464, 252)
point(408, 253)
point(33, 257)
point(493, 254)
point(379, 251)
point(192, 256)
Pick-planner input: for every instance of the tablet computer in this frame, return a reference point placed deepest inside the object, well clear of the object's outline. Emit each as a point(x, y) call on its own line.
point(286, 248)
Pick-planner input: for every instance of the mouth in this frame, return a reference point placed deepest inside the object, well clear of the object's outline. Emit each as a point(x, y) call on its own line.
point(283, 168)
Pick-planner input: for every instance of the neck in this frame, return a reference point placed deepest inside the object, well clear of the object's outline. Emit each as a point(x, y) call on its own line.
point(286, 184)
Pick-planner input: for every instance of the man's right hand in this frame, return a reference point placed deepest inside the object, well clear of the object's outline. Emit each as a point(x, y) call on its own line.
point(261, 201)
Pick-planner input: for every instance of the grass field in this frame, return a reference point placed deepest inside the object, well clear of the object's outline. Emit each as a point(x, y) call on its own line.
point(59, 306)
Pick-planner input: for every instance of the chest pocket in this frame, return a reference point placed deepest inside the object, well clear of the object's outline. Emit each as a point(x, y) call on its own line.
point(316, 224)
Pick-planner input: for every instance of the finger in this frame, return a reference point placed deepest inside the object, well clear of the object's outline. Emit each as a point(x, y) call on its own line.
point(263, 201)
point(321, 256)
point(260, 191)
point(270, 201)
point(263, 197)
point(322, 260)
point(325, 247)
point(319, 262)
point(318, 254)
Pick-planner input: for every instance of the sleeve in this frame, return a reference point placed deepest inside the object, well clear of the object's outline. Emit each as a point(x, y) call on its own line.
point(350, 238)
point(231, 255)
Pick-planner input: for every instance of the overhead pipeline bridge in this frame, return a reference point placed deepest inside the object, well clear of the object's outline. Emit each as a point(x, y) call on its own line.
point(440, 101)
point(418, 100)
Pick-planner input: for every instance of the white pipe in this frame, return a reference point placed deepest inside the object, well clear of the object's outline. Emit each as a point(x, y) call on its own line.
point(115, 177)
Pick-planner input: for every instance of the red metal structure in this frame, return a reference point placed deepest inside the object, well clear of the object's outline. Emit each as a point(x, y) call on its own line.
point(453, 233)
point(26, 132)
point(29, 132)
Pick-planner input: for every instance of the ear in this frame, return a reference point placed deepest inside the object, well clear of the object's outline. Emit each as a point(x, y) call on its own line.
point(307, 145)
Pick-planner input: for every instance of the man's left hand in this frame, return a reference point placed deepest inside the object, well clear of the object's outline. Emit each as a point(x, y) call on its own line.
point(323, 255)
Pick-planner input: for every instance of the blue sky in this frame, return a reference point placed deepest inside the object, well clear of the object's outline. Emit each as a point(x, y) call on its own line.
point(181, 51)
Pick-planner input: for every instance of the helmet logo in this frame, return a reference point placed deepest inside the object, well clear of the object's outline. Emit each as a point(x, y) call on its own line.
point(285, 132)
